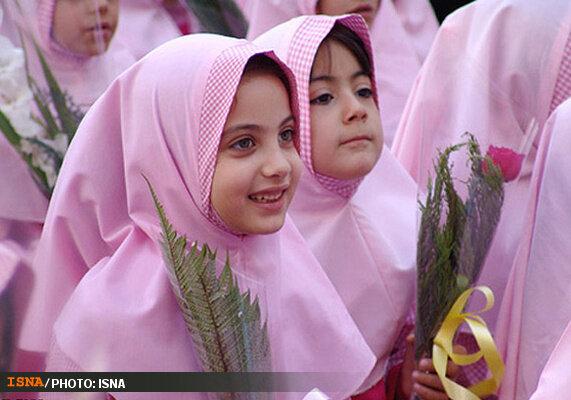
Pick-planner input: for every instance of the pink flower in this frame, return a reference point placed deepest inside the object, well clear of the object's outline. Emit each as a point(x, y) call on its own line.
point(507, 160)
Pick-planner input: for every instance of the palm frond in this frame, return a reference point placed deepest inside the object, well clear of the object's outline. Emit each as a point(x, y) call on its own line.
point(225, 324)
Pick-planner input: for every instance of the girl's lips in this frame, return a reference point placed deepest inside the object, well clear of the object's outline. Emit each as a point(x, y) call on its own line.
point(356, 139)
point(270, 200)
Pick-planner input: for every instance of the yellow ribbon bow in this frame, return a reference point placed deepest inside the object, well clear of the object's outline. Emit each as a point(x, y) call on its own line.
point(442, 348)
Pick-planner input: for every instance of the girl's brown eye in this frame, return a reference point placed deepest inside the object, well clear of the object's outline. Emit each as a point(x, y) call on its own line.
point(243, 144)
point(365, 92)
point(287, 135)
point(322, 99)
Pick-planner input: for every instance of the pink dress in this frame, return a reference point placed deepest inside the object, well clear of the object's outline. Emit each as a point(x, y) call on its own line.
point(146, 24)
point(555, 380)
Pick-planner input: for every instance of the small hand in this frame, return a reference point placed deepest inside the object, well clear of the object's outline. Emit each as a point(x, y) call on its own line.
point(425, 382)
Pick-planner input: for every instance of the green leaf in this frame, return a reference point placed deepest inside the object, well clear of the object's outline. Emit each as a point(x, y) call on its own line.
point(67, 118)
point(48, 121)
point(225, 324)
point(8, 130)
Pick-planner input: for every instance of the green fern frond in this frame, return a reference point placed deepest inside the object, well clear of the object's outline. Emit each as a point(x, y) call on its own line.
point(225, 324)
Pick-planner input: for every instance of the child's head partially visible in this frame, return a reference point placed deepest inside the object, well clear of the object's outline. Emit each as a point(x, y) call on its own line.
point(84, 27)
point(346, 132)
point(257, 166)
point(366, 8)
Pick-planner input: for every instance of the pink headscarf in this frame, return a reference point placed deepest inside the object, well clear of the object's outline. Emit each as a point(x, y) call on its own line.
point(400, 43)
point(363, 234)
point(536, 306)
point(145, 25)
point(495, 69)
point(555, 379)
point(84, 78)
point(163, 118)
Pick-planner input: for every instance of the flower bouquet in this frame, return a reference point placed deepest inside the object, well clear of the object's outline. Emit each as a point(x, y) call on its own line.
point(454, 239)
point(224, 322)
point(41, 138)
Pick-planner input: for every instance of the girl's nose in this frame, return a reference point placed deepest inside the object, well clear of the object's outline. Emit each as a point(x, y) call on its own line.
point(354, 110)
point(276, 163)
point(100, 6)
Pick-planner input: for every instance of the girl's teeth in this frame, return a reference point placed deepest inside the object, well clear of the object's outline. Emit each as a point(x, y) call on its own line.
point(266, 199)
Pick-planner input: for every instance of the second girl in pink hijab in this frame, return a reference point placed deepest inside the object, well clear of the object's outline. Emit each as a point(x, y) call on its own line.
point(360, 226)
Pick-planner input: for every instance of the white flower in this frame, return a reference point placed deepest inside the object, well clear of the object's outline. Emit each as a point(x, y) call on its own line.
point(13, 80)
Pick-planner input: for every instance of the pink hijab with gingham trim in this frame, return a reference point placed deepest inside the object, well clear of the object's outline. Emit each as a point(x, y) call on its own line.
point(163, 118)
point(495, 69)
point(537, 305)
point(363, 231)
point(83, 77)
point(401, 35)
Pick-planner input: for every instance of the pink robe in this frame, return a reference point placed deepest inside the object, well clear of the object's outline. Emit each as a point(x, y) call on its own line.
point(537, 303)
point(555, 380)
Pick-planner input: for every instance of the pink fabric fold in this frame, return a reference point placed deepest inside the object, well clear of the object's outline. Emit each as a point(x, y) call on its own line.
point(555, 379)
point(362, 232)
point(163, 119)
point(401, 35)
point(536, 310)
point(145, 25)
point(493, 70)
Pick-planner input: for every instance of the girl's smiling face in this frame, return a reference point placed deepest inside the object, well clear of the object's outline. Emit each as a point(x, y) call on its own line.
point(346, 133)
point(85, 26)
point(258, 166)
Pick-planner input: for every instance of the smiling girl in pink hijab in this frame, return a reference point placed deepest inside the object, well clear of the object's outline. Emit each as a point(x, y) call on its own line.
point(76, 38)
point(219, 147)
point(401, 34)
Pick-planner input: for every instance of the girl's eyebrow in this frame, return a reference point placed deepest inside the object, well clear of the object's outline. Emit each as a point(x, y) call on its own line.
point(252, 127)
point(287, 120)
point(241, 127)
point(325, 78)
point(329, 78)
point(359, 74)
